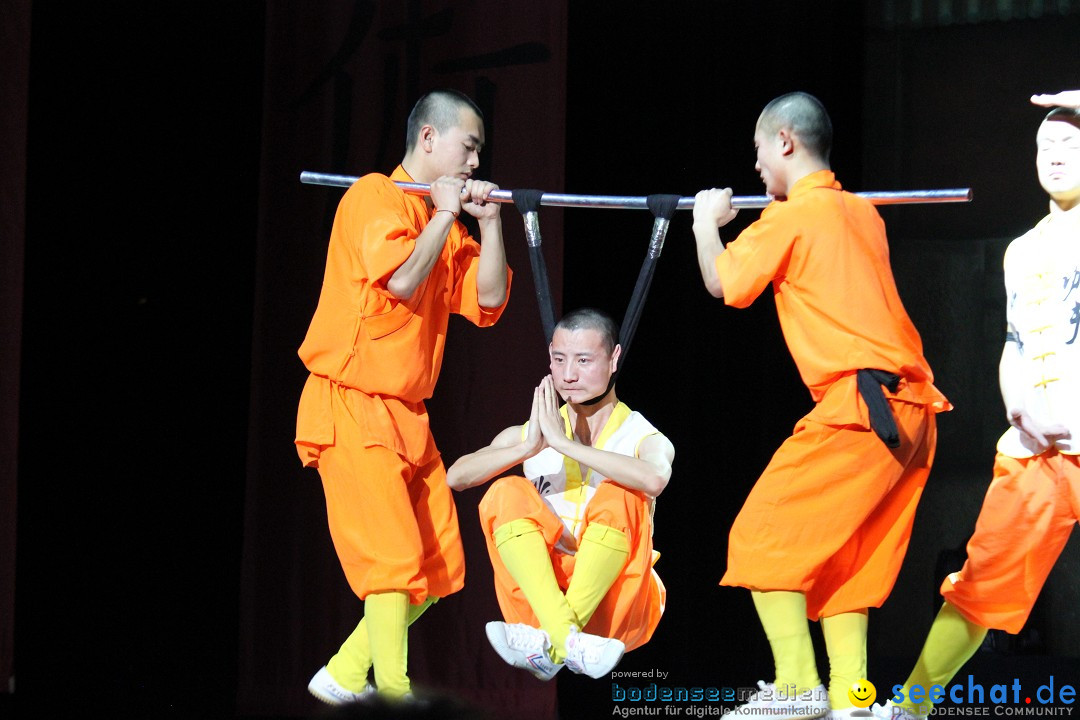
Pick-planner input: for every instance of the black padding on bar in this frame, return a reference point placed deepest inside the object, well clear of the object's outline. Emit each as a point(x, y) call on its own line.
point(660, 205)
point(527, 201)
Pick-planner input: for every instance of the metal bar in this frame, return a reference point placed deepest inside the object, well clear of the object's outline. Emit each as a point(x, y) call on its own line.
point(622, 202)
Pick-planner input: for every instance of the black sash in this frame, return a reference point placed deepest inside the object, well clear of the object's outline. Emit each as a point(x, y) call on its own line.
point(881, 417)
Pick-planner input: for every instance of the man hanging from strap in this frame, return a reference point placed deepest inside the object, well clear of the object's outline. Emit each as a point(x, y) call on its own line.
point(826, 526)
point(571, 541)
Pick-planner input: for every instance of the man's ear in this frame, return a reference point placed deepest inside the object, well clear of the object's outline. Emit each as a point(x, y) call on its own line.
point(786, 140)
point(427, 137)
point(615, 358)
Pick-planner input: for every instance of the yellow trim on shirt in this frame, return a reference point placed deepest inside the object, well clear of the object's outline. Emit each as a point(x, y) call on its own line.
point(576, 484)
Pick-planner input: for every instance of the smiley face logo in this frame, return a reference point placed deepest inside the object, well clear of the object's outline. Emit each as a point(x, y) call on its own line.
point(862, 693)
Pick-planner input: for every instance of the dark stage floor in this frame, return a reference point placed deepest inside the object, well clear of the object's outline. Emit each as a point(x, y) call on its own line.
point(1023, 676)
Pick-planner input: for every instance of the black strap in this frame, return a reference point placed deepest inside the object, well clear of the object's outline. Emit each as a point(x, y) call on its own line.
point(663, 207)
point(882, 421)
point(528, 201)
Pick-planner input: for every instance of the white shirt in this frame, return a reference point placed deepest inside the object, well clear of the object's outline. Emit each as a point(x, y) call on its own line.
point(560, 480)
point(1042, 284)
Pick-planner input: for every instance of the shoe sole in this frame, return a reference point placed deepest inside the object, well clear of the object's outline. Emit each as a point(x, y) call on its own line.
point(497, 639)
point(325, 697)
point(608, 664)
point(318, 688)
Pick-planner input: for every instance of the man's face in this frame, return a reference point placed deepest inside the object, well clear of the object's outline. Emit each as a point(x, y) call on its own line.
point(769, 165)
point(1058, 161)
point(456, 151)
point(580, 364)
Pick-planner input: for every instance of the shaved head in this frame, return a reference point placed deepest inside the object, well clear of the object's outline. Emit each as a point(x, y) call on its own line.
point(805, 116)
point(592, 319)
point(1061, 114)
point(440, 109)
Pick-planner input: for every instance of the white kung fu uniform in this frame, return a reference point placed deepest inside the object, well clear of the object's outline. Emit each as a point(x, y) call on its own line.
point(1033, 502)
point(563, 498)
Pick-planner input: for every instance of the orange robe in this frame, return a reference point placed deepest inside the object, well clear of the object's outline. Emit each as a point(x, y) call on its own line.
point(1029, 512)
point(831, 515)
point(373, 360)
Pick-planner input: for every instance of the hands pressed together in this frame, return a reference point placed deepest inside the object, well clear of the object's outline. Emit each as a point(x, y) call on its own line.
point(546, 427)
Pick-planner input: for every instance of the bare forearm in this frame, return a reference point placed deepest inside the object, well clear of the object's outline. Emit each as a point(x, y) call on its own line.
point(426, 250)
point(479, 467)
point(491, 285)
point(709, 247)
point(630, 472)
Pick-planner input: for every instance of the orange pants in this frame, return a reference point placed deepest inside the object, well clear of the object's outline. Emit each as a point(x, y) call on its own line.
point(394, 524)
point(1027, 516)
point(831, 515)
point(632, 607)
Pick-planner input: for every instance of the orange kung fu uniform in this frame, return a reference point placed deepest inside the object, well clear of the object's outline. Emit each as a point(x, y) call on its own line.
point(831, 515)
point(373, 360)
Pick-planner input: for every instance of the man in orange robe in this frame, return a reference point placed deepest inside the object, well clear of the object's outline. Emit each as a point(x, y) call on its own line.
point(396, 267)
point(825, 528)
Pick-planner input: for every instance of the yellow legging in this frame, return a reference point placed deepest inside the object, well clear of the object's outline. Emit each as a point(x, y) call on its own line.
point(845, 643)
point(951, 642)
point(783, 616)
point(601, 557)
point(352, 662)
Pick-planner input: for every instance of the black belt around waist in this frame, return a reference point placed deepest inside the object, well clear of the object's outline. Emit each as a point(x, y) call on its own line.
point(882, 421)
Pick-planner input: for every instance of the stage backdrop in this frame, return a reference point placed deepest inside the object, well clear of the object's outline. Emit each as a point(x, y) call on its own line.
point(14, 84)
point(339, 86)
point(172, 261)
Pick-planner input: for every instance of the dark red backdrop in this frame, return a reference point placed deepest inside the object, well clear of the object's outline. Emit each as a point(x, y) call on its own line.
point(172, 558)
point(339, 86)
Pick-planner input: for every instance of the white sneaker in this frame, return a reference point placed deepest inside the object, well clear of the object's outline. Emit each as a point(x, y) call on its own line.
point(326, 688)
point(592, 655)
point(771, 704)
point(888, 711)
point(523, 646)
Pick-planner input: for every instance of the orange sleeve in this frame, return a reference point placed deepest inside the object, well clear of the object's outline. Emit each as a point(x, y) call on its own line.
point(464, 300)
point(755, 258)
point(380, 228)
